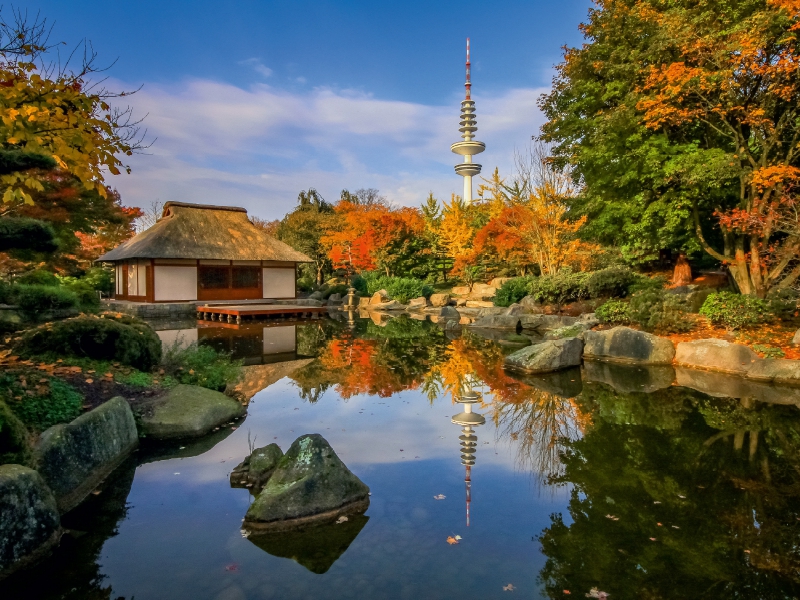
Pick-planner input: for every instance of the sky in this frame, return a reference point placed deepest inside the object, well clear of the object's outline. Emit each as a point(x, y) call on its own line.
point(247, 103)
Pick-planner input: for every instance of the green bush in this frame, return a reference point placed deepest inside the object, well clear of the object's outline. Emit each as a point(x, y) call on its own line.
point(88, 299)
point(512, 291)
point(305, 284)
point(643, 283)
point(359, 283)
point(614, 312)
point(35, 299)
point(339, 288)
point(561, 288)
point(38, 277)
point(783, 304)
point(613, 282)
point(6, 290)
point(61, 405)
point(734, 311)
point(659, 311)
point(404, 289)
point(200, 365)
point(15, 442)
point(374, 281)
point(134, 344)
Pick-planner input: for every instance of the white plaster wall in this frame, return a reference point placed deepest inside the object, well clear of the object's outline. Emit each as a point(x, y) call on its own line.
point(280, 339)
point(184, 337)
point(175, 283)
point(118, 276)
point(278, 283)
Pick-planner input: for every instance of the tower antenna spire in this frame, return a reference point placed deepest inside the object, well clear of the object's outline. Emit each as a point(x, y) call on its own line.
point(469, 147)
point(468, 84)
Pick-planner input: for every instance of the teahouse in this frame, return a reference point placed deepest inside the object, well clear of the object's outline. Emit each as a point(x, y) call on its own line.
point(202, 252)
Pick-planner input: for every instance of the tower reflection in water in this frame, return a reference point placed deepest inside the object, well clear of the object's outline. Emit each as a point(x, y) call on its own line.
point(469, 441)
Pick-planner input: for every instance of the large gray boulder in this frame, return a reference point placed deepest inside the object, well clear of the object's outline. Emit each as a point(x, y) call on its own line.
point(256, 469)
point(310, 485)
point(74, 458)
point(439, 300)
point(379, 297)
point(420, 303)
point(775, 371)
point(530, 304)
point(390, 305)
point(30, 525)
point(497, 322)
point(722, 385)
point(716, 355)
point(187, 411)
point(568, 331)
point(622, 344)
point(315, 296)
point(552, 355)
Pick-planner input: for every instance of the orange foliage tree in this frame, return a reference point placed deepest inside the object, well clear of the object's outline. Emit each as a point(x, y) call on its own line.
point(368, 237)
point(682, 115)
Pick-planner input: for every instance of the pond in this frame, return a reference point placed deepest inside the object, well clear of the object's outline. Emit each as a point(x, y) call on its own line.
point(608, 480)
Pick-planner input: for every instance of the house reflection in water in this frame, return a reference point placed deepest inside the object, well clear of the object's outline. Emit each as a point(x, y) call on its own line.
point(253, 343)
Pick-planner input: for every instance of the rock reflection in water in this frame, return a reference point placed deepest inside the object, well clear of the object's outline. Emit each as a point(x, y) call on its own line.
point(317, 547)
point(73, 572)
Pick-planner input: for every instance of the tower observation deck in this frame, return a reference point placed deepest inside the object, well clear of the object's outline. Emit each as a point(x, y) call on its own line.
point(468, 147)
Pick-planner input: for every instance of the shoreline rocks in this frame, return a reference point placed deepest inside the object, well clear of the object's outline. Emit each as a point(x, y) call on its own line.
point(716, 355)
point(75, 457)
point(187, 411)
point(552, 355)
point(310, 485)
point(255, 470)
point(622, 344)
point(30, 524)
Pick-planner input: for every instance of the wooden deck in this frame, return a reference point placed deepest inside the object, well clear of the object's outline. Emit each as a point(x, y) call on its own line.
point(237, 312)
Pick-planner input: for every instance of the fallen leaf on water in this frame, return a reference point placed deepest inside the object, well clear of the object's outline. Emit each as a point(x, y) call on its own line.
point(682, 497)
point(509, 588)
point(595, 593)
point(341, 520)
point(451, 540)
point(675, 527)
point(90, 380)
point(232, 567)
point(659, 524)
point(653, 539)
point(458, 537)
point(612, 517)
point(567, 592)
point(439, 497)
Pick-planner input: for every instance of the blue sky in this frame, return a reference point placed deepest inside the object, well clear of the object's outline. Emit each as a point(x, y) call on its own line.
point(251, 102)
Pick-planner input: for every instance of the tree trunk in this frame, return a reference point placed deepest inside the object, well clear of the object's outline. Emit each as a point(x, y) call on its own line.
point(683, 271)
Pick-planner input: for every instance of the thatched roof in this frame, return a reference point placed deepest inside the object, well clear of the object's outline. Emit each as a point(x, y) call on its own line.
point(203, 231)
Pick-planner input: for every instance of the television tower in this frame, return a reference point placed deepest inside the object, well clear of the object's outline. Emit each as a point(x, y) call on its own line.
point(469, 147)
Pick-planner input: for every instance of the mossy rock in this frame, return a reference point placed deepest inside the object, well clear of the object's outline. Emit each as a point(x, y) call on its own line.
point(256, 469)
point(187, 411)
point(15, 440)
point(310, 485)
point(30, 525)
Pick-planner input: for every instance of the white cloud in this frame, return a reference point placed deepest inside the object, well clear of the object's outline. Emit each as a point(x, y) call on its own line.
point(258, 147)
point(257, 66)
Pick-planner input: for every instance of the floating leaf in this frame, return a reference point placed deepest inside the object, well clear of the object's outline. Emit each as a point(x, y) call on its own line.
point(451, 540)
point(341, 520)
point(439, 497)
point(509, 588)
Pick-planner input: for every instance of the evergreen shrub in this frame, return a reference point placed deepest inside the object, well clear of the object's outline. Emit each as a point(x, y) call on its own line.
point(783, 304)
point(659, 311)
point(99, 338)
point(35, 299)
point(613, 282)
point(614, 312)
point(38, 277)
point(512, 291)
point(734, 311)
point(200, 365)
point(561, 288)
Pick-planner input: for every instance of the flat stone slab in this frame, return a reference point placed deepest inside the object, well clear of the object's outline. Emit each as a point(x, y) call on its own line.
point(545, 322)
point(310, 485)
point(773, 370)
point(623, 344)
point(716, 355)
point(30, 525)
point(724, 385)
point(552, 355)
point(74, 458)
point(187, 411)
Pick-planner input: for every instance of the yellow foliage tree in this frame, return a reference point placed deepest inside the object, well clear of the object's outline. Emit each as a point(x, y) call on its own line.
point(56, 112)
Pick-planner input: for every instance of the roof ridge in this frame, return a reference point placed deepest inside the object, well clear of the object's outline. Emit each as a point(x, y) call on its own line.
point(202, 207)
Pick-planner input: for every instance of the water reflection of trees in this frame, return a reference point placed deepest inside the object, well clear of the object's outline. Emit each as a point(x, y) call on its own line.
point(678, 495)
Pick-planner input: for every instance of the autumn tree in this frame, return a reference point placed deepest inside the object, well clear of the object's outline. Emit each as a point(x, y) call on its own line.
point(681, 122)
point(304, 227)
point(51, 112)
point(85, 223)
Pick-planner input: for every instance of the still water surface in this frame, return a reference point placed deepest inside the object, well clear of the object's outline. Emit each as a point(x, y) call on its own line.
point(582, 483)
